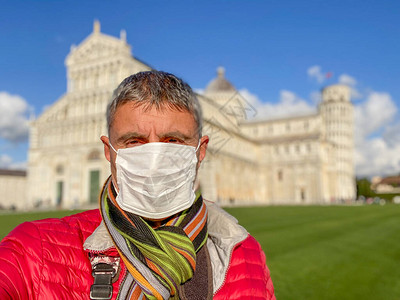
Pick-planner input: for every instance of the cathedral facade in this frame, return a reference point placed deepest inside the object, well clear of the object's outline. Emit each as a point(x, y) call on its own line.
point(298, 160)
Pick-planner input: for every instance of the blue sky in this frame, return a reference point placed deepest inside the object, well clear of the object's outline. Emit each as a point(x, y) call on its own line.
point(275, 52)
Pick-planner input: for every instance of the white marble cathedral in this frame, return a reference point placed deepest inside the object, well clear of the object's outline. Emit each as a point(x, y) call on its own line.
point(299, 160)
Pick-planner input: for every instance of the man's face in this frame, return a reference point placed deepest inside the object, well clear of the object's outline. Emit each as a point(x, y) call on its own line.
point(135, 125)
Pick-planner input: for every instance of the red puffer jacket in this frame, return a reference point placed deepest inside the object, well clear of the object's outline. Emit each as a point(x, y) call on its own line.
point(45, 260)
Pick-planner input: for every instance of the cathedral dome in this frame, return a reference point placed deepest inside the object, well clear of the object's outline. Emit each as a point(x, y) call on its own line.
point(220, 84)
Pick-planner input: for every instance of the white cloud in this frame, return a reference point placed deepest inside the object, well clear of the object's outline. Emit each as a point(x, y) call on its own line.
point(14, 113)
point(198, 91)
point(6, 162)
point(347, 79)
point(251, 98)
point(391, 135)
point(351, 82)
point(316, 97)
point(376, 157)
point(374, 114)
point(315, 72)
point(377, 153)
point(20, 165)
point(289, 105)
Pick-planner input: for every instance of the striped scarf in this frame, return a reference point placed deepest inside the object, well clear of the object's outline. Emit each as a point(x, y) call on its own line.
point(158, 260)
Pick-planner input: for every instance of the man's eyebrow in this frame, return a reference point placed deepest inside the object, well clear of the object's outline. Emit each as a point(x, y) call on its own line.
point(130, 135)
point(176, 134)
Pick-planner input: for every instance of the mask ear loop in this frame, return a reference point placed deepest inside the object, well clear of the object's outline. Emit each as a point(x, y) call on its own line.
point(198, 145)
point(109, 143)
point(112, 181)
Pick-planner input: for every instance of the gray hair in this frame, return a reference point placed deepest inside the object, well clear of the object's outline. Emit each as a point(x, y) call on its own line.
point(155, 88)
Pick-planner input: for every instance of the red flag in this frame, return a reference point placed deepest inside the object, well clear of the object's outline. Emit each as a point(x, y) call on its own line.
point(328, 75)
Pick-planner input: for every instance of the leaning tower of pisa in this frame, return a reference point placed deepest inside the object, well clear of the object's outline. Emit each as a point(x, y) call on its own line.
point(337, 113)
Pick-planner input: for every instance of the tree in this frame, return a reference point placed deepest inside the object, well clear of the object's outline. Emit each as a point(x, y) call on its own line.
point(364, 188)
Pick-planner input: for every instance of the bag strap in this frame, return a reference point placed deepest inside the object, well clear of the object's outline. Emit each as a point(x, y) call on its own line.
point(104, 269)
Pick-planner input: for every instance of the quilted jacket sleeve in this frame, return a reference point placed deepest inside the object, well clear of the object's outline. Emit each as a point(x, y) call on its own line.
point(248, 276)
point(20, 257)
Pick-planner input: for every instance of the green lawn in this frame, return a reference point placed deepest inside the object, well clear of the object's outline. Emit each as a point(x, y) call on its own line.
point(332, 252)
point(316, 252)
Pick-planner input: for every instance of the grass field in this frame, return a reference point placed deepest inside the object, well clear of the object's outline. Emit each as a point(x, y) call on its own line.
point(316, 252)
point(332, 252)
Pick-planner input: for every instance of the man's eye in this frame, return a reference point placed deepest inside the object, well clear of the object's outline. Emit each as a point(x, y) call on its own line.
point(173, 140)
point(132, 143)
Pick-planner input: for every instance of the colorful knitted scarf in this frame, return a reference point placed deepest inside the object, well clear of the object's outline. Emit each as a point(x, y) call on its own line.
point(158, 260)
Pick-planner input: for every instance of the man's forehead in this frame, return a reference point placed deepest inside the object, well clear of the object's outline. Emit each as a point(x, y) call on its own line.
point(141, 120)
point(150, 108)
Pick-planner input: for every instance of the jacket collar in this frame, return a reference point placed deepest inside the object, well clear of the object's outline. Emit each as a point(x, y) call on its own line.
point(99, 241)
point(224, 235)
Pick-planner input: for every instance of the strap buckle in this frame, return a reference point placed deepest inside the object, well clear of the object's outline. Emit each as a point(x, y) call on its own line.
point(101, 292)
point(102, 287)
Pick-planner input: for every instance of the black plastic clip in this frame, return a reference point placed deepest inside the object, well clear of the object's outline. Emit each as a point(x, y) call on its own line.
point(102, 287)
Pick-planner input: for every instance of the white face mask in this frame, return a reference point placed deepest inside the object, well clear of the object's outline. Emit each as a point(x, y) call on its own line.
point(156, 180)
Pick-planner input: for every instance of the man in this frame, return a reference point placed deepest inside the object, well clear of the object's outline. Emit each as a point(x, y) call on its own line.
point(154, 238)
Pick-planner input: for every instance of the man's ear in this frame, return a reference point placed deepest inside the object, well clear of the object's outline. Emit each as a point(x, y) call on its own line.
point(106, 143)
point(203, 148)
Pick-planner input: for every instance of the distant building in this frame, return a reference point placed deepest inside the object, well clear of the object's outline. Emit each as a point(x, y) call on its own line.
point(294, 160)
point(386, 185)
point(13, 189)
